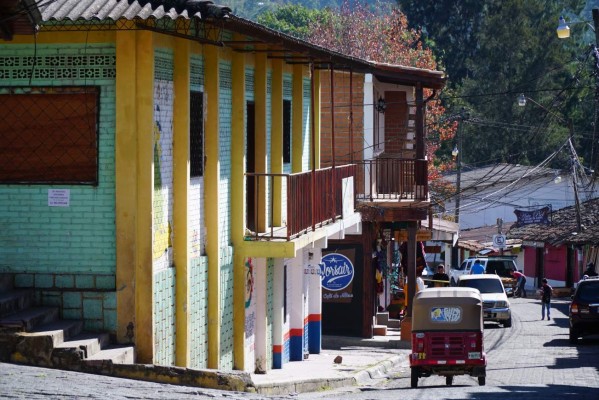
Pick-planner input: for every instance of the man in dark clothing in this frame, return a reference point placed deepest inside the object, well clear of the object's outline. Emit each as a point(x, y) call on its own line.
point(546, 291)
point(440, 275)
point(590, 271)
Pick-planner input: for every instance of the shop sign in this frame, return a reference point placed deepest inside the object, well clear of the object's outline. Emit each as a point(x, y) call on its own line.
point(337, 272)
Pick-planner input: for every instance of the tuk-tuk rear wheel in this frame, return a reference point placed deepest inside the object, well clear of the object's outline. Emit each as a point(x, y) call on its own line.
point(449, 380)
point(414, 377)
point(481, 381)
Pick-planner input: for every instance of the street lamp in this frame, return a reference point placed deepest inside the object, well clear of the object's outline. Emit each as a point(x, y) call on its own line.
point(563, 30)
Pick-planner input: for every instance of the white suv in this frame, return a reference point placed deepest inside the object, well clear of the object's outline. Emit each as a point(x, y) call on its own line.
point(496, 307)
point(499, 265)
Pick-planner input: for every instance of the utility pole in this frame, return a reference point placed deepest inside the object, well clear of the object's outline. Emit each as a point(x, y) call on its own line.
point(596, 56)
point(455, 255)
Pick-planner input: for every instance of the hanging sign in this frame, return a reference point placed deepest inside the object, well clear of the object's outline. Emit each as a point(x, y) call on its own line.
point(536, 216)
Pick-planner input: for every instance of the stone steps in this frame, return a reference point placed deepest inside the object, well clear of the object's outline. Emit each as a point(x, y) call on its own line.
point(36, 335)
point(383, 324)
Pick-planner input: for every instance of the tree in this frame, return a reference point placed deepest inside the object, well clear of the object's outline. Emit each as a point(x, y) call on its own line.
point(294, 20)
point(493, 51)
point(360, 31)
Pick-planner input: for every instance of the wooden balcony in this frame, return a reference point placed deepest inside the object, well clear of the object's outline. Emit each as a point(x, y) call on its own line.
point(392, 179)
point(313, 199)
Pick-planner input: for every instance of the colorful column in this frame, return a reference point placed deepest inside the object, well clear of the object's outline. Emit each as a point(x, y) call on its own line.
point(296, 304)
point(281, 314)
point(314, 301)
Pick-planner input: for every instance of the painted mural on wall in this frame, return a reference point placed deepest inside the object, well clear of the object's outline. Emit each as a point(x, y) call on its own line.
point(250, 314)
point(337, 275)
point(163, 173)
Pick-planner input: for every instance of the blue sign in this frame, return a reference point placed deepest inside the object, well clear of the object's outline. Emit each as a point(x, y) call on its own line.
point(336, 272)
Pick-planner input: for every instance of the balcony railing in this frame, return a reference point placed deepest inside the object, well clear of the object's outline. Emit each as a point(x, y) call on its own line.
point(385, 179)
point(313, 199)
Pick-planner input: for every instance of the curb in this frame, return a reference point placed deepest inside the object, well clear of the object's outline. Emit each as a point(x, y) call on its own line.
point(211, 379)
point(313, 385)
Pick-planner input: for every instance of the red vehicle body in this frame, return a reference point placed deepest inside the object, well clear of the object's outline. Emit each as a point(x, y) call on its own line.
point(447, 334)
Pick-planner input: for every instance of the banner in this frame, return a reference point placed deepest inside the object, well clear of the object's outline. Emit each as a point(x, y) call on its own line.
point(533, 216)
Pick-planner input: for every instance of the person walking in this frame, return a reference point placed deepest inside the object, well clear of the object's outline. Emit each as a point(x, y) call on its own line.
point(546, 292)
point(477, 268)
point(440, 278)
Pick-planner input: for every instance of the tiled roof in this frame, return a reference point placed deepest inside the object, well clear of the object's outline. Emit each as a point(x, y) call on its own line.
point(564, 226)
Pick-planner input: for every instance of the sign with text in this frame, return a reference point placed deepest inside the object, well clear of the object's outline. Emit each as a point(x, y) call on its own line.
point(499, 241)
point(421, 236)
point(337, 274)
point(533, 216)
point(59, 197)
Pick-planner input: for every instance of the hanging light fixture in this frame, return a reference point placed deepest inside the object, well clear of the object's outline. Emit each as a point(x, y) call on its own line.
point(563, 30)
point(381, 105)
point(522, 100)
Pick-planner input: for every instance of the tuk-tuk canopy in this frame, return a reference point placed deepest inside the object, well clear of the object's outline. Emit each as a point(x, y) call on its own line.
point(451, 308)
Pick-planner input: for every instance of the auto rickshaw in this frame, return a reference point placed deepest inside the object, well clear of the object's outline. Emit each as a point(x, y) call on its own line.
point(447, 334)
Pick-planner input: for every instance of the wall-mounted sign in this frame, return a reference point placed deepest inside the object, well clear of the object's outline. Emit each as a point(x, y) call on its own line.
point(337, 272)
point(59, 197)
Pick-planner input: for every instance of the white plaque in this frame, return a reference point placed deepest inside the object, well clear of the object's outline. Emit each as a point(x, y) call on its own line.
point(59, 197)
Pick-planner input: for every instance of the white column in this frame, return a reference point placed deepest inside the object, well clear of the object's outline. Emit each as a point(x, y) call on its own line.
point(280, 317)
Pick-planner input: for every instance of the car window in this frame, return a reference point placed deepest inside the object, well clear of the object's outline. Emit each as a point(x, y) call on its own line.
point(462, 266)
point(500, 267)
point(588, 292)
point(483, 285)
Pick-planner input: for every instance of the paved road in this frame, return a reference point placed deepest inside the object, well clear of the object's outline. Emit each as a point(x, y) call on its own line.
point(531, 360)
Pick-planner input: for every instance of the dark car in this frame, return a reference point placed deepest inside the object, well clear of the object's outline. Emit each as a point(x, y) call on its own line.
point(584, 309)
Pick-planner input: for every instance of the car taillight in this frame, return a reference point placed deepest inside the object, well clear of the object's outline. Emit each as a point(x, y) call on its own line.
point(574, 308)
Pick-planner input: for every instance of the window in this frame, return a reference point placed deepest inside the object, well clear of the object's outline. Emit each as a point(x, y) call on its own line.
point(286, 131)
point(49, 135)
point(196, 134)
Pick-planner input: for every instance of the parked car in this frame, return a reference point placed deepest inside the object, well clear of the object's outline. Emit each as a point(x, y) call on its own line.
point(584, 309)
point(496, 306)
point(499, 265)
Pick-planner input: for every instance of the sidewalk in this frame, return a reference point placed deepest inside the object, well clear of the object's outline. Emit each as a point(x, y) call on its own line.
point(361, 360)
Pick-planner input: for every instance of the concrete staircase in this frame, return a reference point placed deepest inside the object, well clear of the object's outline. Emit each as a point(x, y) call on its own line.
point(383, 325)
point(35, 335)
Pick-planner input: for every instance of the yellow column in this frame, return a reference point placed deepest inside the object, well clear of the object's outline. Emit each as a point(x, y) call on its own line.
point(297, 111)
point(276, 138)
point(316, 116)
point(211, 202)
point(238, 205)
point(144, 94)
point(125, 181)
point(181, 122)
point(260, 125)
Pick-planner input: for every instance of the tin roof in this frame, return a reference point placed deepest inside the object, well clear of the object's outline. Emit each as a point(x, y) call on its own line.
point(276, 44)
point(73, 10)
